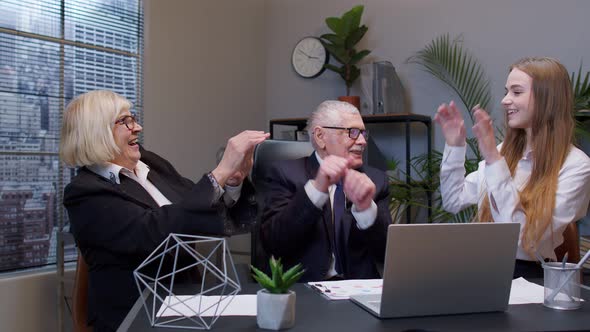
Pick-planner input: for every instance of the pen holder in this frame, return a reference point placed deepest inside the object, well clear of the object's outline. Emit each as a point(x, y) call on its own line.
point(562, 287)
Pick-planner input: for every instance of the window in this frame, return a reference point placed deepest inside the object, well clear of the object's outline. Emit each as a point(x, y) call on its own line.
point(51, 51)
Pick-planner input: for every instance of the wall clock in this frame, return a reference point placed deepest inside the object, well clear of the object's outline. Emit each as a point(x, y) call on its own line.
point(309, 57)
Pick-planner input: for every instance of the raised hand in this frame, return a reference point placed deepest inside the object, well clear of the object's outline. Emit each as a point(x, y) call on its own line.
point(331, 170)
point(239, 176)
point(451, 122)
point(483, 130)
point(359, 189)
point(237, 158)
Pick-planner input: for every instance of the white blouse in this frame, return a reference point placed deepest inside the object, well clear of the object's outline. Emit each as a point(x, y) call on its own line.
point(571, 202)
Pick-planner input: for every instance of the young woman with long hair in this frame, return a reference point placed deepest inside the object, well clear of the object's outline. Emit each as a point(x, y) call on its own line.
point(536, 177)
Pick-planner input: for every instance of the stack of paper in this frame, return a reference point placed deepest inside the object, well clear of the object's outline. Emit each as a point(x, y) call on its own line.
point(342, 289)
point(521, 292)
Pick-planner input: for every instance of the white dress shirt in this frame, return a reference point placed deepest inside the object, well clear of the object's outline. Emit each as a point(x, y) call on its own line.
point(112, 172)
point(364, 219)
point(571, 200)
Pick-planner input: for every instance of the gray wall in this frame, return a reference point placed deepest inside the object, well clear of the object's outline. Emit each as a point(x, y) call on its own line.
point(497, 32)
point(214, 68)
point(204, 78)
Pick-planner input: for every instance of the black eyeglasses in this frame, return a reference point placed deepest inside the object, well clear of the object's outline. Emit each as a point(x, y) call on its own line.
point(352, 132)
point(128, 120)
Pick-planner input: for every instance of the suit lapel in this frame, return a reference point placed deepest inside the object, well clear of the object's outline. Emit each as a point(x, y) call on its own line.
point(164, 187)
point(133, 189)
point(128, 188)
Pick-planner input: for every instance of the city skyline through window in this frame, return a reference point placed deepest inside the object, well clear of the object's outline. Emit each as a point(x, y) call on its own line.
point(50, 52)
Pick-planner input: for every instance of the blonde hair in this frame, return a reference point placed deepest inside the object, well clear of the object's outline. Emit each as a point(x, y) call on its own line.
point(552, 135)
point(87, 130)
point(328, 113)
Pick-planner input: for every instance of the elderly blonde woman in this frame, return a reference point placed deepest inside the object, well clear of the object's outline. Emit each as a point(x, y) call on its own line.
point(125, 200)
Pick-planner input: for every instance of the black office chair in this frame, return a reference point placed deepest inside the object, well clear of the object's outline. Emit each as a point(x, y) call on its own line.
point(265, 154)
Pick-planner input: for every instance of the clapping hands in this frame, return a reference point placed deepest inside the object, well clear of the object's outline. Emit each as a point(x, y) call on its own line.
point(452, 124)
point(357, 186)
point(453, 128)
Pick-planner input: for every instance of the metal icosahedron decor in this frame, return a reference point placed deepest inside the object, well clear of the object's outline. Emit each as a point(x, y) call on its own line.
point(196, 306)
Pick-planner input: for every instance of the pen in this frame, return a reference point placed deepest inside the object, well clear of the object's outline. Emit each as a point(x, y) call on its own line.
point(321, 288)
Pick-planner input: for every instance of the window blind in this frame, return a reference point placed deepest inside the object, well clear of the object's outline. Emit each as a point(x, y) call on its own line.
point(50, 52)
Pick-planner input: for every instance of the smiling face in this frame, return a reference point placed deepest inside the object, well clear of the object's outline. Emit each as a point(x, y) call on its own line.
point(126, 141)
point(518, 102)
point(337, 142)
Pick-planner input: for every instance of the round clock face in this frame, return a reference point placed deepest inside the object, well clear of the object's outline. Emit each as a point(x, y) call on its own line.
point(309, 57)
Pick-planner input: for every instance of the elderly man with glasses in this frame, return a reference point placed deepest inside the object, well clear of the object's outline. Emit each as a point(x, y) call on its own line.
point(328, 211)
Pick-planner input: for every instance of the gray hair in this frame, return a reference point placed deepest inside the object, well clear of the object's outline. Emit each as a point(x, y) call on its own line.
point(328, 113)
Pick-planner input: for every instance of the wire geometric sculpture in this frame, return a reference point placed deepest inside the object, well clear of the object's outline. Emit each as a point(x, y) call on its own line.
point(218, 286)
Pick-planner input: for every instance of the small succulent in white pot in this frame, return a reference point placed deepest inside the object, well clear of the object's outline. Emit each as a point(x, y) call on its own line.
point(275, 303)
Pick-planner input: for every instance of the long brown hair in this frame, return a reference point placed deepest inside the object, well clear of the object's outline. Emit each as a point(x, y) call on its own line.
point(552, 136)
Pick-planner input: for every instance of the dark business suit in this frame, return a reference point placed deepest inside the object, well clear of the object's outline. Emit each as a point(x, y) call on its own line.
point(116, 226)
point(295, 230)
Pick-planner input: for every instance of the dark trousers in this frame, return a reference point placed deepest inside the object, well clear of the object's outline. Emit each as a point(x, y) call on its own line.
point(528, 269)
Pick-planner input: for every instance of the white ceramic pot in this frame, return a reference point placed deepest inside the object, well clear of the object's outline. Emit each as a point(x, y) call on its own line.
point(275, 311)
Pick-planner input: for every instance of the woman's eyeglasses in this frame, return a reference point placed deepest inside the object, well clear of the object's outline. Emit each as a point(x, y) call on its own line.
point(352, 132)
point(128, 120)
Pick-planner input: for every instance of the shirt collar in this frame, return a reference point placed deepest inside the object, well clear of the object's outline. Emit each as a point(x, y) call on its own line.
point(317, 156)
point(111, 171)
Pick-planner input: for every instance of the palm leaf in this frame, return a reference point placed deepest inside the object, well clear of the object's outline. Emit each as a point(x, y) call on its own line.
point(581, 101)
point(446, 60)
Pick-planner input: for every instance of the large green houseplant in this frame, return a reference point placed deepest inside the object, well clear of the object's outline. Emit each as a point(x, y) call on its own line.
point(347, 31)
point(275, 303)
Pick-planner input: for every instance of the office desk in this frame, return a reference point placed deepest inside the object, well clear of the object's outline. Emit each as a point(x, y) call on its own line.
point(316, 313)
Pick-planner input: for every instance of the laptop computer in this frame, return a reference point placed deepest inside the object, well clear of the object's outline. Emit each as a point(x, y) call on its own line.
point(437, 269)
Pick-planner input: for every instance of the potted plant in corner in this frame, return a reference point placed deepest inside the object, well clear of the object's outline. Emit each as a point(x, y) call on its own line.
point(347, 32)
point(275, 303)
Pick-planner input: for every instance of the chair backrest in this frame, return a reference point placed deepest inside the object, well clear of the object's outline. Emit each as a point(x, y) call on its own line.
point(80, 297)
point(265, 154)
point(571, 244)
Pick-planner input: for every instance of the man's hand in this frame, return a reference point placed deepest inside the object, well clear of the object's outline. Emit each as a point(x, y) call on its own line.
point(331, 170)
point(359, 189)
point(451, 122)
point(484, 132)
point(237, 158)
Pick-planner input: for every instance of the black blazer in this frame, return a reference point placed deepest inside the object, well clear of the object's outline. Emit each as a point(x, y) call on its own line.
point(295, 230)
point(116, 226)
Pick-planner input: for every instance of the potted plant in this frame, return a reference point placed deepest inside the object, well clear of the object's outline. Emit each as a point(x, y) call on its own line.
point(347, 32)
point(275, 303)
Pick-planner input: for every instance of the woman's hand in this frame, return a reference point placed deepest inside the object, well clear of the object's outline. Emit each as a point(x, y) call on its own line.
point(238, 177)
point(237, 158)
point(451, 122)
point(483, 130)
